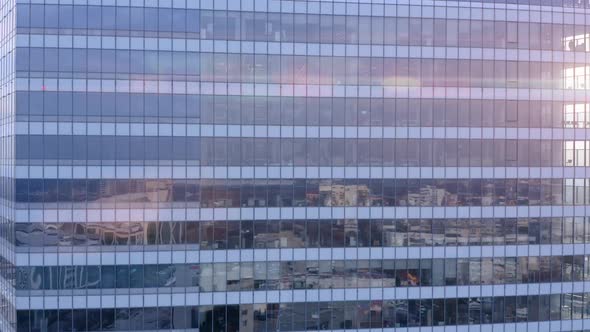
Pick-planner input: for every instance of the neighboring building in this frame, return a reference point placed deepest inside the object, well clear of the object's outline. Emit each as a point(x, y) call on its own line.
point(281, 165)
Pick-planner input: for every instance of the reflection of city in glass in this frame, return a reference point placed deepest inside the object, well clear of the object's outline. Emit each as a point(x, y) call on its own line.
point(279, 165)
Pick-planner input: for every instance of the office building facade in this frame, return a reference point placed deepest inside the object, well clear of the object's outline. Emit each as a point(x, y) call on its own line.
point(278, 165)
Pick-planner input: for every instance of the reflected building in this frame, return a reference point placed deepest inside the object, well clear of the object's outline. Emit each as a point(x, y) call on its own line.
point(278, 165)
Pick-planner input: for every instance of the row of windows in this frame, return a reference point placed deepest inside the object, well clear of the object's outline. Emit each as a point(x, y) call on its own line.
point(307, 192)
point(288, 69)
point(315, 315)
point(302, 28)
point(301, 111)
point(224, 151)
point(221, 277)
point(311, 233)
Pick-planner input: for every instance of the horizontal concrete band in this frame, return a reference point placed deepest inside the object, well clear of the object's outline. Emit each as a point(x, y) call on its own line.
point(289, 296)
